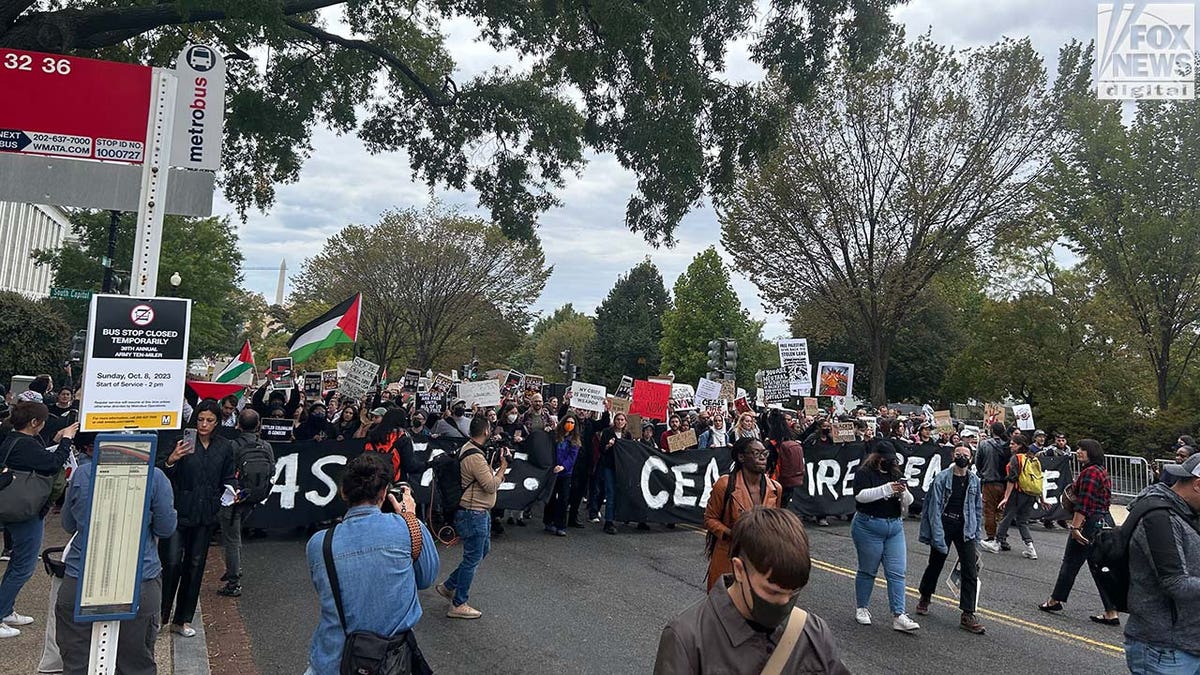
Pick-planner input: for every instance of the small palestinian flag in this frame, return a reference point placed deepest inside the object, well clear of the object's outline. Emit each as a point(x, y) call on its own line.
point(241, 369)
point(337, 326)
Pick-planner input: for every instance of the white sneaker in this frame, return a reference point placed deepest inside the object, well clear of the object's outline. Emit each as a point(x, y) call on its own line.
point(1029, 551)
point(7, 631)
point(15, 619)
point(863, 616)
point(990, 545)
point(904, 624)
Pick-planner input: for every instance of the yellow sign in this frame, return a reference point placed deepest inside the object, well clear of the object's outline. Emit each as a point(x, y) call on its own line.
point(120, 421)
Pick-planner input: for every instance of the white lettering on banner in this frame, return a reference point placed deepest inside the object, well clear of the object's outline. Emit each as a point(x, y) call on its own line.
point(287, 467)
point(318, 471)
point(682, 482)
point(848, 481)
point(1049, 483)
point(711, 474)
point(912, 469)
point(824, 475)
point(659, 500)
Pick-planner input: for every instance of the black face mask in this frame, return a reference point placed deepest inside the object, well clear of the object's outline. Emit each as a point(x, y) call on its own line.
point(458, 412)
point(765, 616)
point(962, 462)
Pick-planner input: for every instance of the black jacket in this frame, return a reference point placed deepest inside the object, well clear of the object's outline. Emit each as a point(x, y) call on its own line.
point(199, 479)
point(29, 454)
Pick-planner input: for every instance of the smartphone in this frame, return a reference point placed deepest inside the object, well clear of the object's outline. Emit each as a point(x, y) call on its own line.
point(189, 437)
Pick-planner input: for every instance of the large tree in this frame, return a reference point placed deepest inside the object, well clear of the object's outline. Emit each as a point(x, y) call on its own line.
point(564, 328)
point(707, 308)
point(890, 175)
point(34, 337)
point(643, 80)
point(1127, 199)
point(204, 251)
point(629, 327)
point(431, 280)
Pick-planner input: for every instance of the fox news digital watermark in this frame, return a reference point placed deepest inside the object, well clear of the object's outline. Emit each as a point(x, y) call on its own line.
point(1146, 50)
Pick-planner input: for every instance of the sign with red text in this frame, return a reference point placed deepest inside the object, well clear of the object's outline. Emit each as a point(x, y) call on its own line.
point(199, 108)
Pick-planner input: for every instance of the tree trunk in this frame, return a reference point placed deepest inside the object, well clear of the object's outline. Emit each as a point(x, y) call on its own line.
point(880, 355)
point(1162, 368)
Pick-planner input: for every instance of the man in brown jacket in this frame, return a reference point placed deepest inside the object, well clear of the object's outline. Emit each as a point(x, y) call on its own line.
point(749, 623)
point(732, 495)
point(473, 521)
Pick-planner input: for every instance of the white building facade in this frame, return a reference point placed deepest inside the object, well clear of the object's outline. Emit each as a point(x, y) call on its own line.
point(25, 228)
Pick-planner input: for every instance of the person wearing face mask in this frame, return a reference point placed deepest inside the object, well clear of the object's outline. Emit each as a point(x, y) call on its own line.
point(790, 454)
point(566, 453)
point(749, 623)
point(314, 427)
point(735, 493)
point(881, 495)
point(953, 514)
point(458, 425)
point(818, 439)
point(1026, 486)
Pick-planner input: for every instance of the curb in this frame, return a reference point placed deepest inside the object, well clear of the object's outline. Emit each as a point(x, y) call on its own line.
point(190, 655)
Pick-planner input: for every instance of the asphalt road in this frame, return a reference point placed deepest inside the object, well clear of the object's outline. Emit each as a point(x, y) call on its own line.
point(595, 603)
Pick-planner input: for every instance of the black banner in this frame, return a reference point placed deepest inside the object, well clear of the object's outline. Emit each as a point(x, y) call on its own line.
point(657, 487)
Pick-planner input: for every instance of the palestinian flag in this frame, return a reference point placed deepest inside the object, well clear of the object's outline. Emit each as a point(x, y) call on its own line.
point(241, 369)
point(337, 326)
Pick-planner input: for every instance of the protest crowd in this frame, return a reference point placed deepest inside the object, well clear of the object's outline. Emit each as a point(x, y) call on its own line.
point(431, 461)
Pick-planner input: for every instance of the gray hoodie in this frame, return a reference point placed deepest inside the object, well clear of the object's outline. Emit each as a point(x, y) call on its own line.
point(1164, 575)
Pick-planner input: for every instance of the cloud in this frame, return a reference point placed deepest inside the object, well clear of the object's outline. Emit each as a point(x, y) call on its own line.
point(585, 239)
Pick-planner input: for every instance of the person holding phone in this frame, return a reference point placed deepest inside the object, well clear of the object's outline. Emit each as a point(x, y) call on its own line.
point(881, 495)
point(199, 471)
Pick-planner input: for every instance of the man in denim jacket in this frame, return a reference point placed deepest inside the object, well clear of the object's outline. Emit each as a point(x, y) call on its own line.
point(953, 513)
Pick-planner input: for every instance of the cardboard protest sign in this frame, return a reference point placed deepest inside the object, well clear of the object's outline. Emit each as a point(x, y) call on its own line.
point(359, 380)
point(329, 380)
point(776, 384)
point(663, 379)
point(625, 389)
point(280, 374)
point(441, 384)
point(312, 385)
point(533, 384)
point(619, 405)
point(276, 430)
point(412, 379)
point(650, 399)
point(485, 393)
point(587, 396)
point(634, 424)
point(793, 355)
point(843, 432)
point(713, 406)
point(707, 388)
point(728, 389)
point(681, 441)
point(835, 379)
point(993, 412)
point(942, 422)
point(1024, 414)
point(811, 408)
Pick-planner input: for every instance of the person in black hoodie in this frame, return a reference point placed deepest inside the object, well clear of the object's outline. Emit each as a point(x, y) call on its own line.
point(315, 426)
point(199, 475)
point(269, 409)
point(24, 450)
point(345, 425)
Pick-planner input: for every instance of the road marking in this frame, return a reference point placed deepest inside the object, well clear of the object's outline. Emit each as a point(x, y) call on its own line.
point(1031, 626)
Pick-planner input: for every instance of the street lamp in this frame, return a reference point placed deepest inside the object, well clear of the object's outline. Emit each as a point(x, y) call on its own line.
point(176, 280)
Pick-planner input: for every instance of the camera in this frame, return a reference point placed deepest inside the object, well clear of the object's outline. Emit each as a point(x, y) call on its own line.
point(495, 449)
point(398, 491)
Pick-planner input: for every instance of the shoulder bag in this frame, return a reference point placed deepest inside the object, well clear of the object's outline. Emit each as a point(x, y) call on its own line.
point(23, 494)
point(787, 643)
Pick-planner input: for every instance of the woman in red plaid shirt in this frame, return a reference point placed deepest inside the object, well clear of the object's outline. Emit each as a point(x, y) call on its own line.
point(1093, 494)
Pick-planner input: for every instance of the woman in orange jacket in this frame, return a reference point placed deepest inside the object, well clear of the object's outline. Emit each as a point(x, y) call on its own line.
point(732, 495)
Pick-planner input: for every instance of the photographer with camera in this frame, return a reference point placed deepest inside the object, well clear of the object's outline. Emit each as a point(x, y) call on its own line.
point(381, 556)
point(473, 521)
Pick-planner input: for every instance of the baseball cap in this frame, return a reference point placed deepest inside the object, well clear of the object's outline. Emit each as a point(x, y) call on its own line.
point(379, 412)
point(1189, 469)
point(1039, 432)
point(971, 432)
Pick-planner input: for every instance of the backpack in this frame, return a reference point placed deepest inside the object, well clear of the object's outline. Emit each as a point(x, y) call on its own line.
point(1109, 555)
point(1029, 475)
point(447, 480)
point(256, 471)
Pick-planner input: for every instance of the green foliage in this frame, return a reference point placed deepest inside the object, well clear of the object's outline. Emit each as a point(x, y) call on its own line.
point(629, 328)
point(539, 352)
point(35, 337)
point(643, 80)
point(706, 308)
point(204, 251)
point(434, 283)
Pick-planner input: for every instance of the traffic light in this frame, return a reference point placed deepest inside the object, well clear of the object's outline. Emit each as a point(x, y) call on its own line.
point(714, 355)
point(730, 355)
point(474, 368)
point(564, 361)
point(575, 370)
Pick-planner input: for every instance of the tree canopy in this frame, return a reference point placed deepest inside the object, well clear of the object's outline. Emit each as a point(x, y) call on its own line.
point(629, 328)
point(34, 337)
point(643, 80)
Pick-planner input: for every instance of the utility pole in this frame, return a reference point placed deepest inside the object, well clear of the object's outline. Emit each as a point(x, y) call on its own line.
point(110, 253)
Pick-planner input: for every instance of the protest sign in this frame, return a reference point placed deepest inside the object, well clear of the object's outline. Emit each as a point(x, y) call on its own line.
point(741, 405)
point(431, 403)
point(329, 380)
point(312, 385)
point(441, 384)
point(280, 373)
point(587, 396)
point(663, 379)
point(835, 379)
point(843, 432)
point(793, 355)
point(483, 393)
point(681, 441)
point(776, 384)
point(533, 384)
point(634, 424)
point(511, 387)
point(343, 368)
point(650, 399)
point(359, 380)
point(412, 379)
point(713, 406)
point(652, 487)
point(942, 422)
point(619, 405)
point(728, 389)
point(683, 397)
point(277, 430)
point(1024, 414)
point(993, 412)
point(708, 389)
point(811, 408)
point(625, 389)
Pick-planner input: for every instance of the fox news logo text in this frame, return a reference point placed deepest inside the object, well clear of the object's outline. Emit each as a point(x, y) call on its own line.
point(1146, 50)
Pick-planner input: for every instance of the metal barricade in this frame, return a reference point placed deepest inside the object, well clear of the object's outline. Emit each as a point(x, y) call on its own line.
point(1130, 475)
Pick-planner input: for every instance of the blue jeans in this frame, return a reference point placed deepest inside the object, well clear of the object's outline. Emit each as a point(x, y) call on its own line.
point(475, 533)
point(879, 540)
point(610, 494)
point(26, 544)
point(1144, 659)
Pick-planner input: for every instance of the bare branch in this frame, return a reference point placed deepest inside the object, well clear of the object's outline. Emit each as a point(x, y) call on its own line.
point(11, 9)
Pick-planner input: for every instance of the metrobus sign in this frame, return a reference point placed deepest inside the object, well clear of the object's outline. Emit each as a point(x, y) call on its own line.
point(67, 106)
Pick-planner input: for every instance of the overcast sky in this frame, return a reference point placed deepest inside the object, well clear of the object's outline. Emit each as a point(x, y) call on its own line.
point(586, 239)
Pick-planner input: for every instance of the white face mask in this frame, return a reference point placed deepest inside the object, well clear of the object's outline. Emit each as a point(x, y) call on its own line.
point(511, 419)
